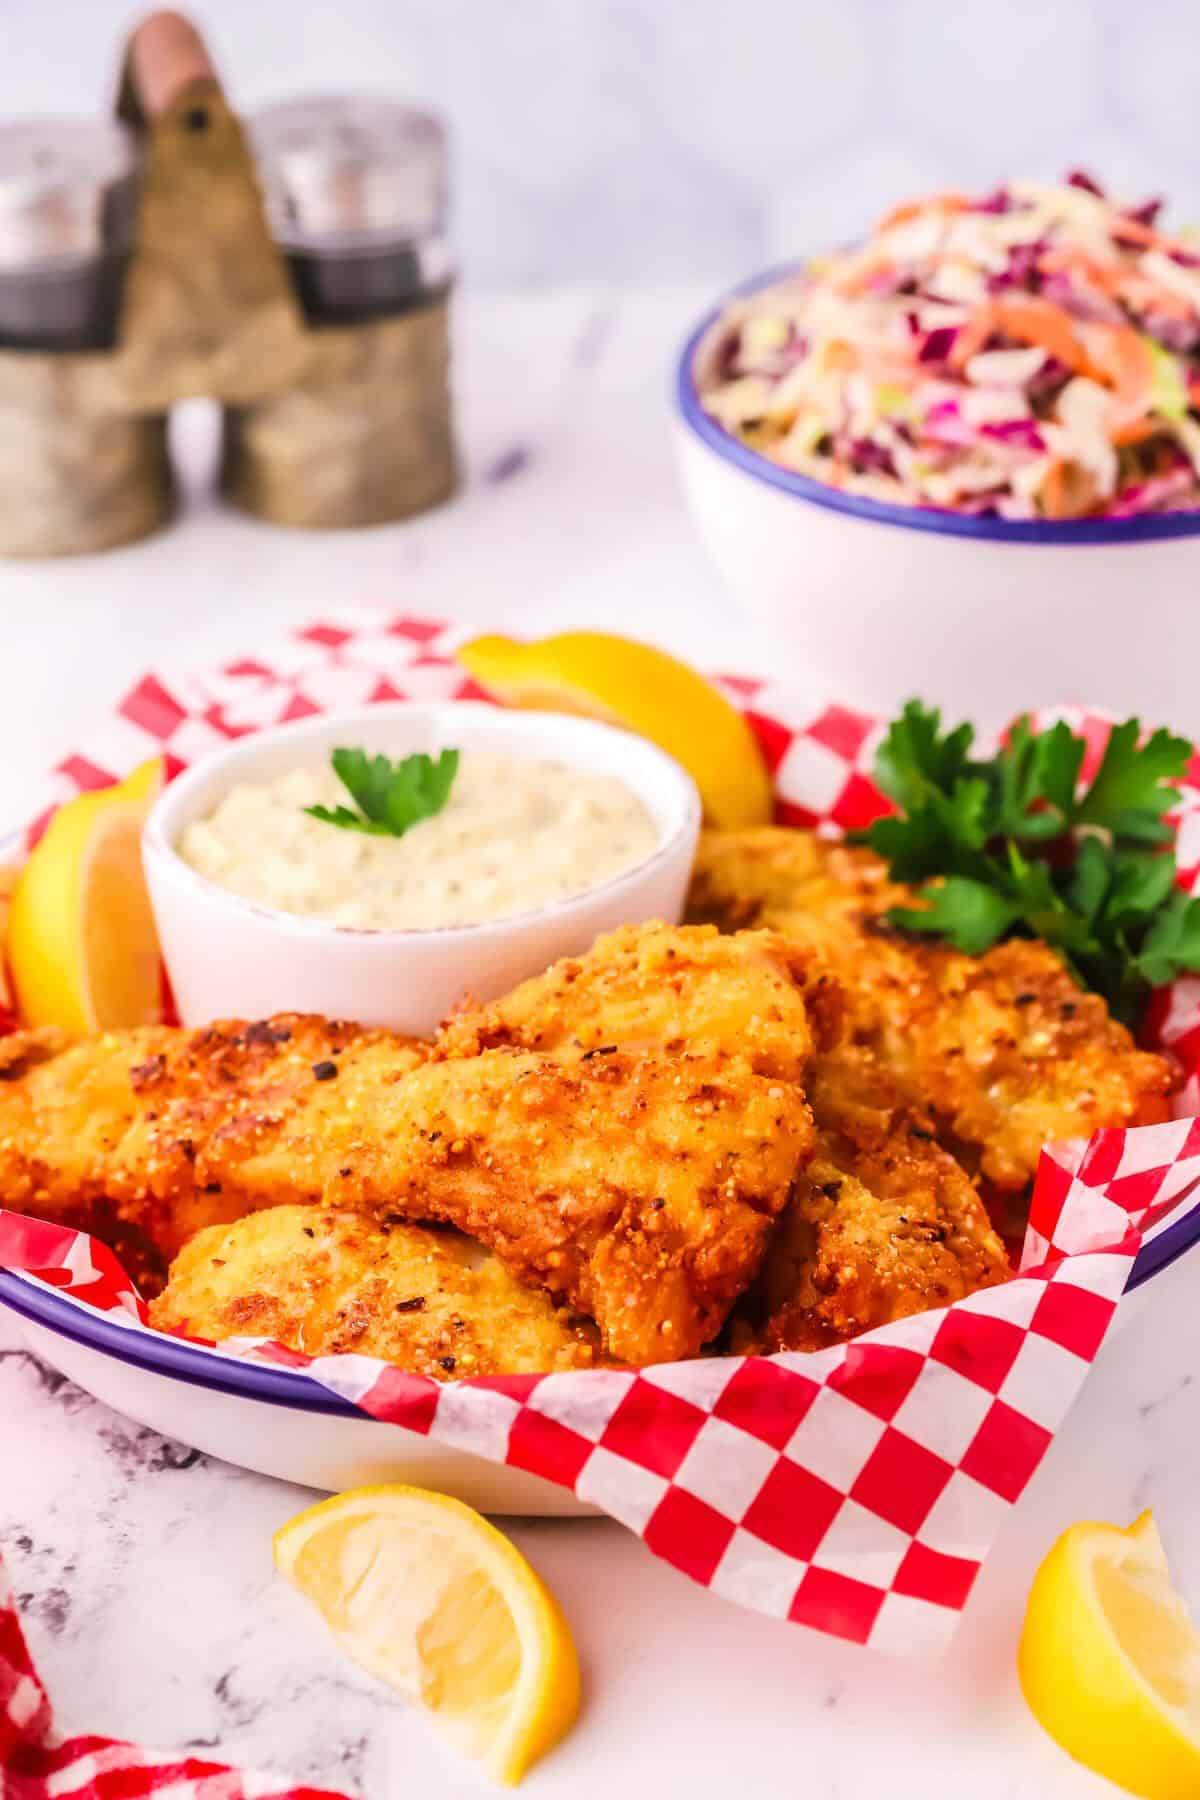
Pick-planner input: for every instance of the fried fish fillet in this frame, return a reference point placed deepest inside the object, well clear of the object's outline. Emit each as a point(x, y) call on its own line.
point(1004, 1050)
point(673, 996)
point(639, 1189)
point(883, 1222)
point(740, 877)
point(324, 1281)
point(158, 1132)
point(667, 988)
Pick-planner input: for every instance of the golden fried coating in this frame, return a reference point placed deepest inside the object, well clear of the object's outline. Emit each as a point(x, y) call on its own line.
point(322, 1281)
point(148, 1135)
point(661, 987)
point(639, 1189)
point(677, 996)
point(1004, 1051)
point(1010, 1055)
point(883, 1222)
point(740, 877)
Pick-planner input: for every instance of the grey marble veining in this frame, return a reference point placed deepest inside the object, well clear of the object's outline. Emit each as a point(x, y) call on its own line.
point(147, 1614)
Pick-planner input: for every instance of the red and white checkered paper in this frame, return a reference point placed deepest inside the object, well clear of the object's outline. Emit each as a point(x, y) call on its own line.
point(856, 1489)
point(36, 1763)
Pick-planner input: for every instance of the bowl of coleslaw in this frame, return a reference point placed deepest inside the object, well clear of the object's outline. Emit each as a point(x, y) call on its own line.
point(963, 456)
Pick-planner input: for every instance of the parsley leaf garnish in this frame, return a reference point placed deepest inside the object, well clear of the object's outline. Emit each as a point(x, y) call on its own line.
point(1014, 846)
point(391, 796)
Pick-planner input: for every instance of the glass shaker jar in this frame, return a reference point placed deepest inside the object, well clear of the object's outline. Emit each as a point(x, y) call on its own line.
point(68, 212)
point(355, 191)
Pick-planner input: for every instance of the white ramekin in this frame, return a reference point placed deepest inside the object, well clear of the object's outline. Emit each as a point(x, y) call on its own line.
point(987, 617)
point(231, 958)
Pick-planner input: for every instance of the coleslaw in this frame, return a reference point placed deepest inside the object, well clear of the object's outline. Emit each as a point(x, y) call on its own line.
point(1034, 353)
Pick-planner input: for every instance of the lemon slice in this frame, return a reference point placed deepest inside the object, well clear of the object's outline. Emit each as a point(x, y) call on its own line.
point(429, 1597)
point(81, 941)
point(1110, 1661)
point(625, 683)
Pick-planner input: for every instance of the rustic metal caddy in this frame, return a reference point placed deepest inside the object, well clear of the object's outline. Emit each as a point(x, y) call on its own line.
point(325, 424)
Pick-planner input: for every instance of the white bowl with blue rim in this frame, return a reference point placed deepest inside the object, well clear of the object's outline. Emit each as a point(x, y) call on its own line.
point(874, 602)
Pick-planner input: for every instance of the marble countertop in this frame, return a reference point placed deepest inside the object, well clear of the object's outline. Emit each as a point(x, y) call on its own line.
point(144, 1569)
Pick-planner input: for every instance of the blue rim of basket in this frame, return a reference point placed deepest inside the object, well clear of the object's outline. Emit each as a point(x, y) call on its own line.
point(161, 1354)
point(1141, 529)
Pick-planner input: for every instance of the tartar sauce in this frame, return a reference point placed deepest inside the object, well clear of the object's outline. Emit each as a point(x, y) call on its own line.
point(515, 834)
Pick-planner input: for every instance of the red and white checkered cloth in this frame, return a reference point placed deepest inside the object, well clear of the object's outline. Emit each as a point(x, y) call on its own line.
point(855, 1490)
point(36, 1763)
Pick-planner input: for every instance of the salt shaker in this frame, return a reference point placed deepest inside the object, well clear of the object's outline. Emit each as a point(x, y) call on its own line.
point(355, 191)
point(68, 207)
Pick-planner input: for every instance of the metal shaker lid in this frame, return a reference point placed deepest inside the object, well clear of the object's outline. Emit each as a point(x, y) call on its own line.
point(341, 171)
point(57, 181)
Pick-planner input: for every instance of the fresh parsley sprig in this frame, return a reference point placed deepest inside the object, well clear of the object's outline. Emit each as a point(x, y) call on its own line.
point(391, 797)
point(1014, 846)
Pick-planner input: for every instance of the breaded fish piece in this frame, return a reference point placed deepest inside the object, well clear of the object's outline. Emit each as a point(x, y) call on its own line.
point(739, 877)
point(1004, 1050)
point(640, 1189)
point(323, 1281)
point(666, 988)
point(1011, 1055)
point(883, 1222)
point(146, 1136)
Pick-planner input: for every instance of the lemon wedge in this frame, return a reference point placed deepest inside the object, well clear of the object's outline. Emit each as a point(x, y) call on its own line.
point(81, 941)
point(1109, 1659)
point(428, 1596)
point(625, 683)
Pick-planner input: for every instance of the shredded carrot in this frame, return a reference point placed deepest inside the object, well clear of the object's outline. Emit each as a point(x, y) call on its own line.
point(840, 355)
point(1053, 492)
point(1116, 281)
point(1134, 431)
point(1108, 278)
point(860, 280)
point(1132, 231)
point(950, 202)
point(1124, 365)
point(972, 337)
point(1068, 491)
point(1031, 320)
point(1034, 320)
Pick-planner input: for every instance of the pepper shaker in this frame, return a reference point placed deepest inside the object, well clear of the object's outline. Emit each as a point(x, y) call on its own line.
point(68, 204)
point(355, 190)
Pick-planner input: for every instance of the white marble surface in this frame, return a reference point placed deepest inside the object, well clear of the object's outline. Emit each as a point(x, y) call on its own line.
point(639, 140)
point(144, 1570)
